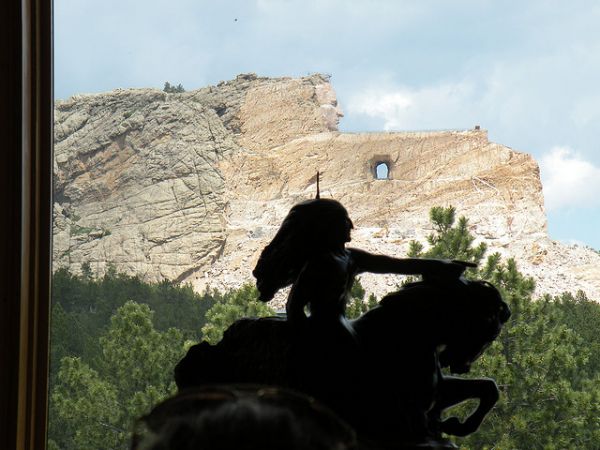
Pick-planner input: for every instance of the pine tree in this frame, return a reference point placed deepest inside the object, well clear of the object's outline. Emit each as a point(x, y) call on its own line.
point(171, 89)
point(537, 361)
point(233, 306)
point(357, 304)
point(95, 408)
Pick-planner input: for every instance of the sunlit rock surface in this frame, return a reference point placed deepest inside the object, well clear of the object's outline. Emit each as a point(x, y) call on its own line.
point(191, 186)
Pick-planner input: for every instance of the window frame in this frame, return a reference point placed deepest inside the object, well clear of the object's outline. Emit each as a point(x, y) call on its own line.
point(26, 118)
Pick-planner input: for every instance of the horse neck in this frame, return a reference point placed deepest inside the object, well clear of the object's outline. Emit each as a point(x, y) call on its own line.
point(396, 320)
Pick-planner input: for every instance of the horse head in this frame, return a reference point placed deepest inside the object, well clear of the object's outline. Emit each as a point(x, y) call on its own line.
point(478, 313)
point(460, 316)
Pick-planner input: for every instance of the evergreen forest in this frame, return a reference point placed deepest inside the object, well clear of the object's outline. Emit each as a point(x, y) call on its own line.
point(116, 339)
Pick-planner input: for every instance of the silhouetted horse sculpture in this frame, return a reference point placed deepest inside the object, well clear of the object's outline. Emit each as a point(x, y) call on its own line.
point(410, 337)
point(381, 372)
point(387, 381)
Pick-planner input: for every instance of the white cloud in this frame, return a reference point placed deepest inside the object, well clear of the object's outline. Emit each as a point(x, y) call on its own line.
point(435, 107)
point(527, 72)
point(569, 180)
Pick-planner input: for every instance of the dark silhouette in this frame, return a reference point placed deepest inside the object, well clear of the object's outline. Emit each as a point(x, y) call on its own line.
point(389, 385)
point(381, 372)
point(242, 417)
point(309, 252)
point(411, 336)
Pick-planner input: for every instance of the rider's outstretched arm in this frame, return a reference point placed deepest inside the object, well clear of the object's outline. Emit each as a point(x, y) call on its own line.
point(369, 262)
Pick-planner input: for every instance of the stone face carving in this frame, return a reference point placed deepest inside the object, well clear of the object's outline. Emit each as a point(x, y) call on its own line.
point(191, 186)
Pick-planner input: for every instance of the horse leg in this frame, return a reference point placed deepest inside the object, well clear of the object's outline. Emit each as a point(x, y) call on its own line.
point(455, 390)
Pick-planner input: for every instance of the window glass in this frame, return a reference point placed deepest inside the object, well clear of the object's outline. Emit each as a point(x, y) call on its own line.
point(169, 120)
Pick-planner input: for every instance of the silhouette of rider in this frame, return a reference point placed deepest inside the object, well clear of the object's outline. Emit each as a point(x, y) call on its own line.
point(309, 252)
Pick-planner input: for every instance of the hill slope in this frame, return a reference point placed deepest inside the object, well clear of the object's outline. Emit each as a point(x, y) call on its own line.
point(191, 186)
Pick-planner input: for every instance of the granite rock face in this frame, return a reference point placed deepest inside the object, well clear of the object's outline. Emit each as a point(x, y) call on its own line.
point(136, 184)
point(191, 186)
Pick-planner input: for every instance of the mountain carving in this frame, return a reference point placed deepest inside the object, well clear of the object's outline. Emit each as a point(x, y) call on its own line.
point(191, 186)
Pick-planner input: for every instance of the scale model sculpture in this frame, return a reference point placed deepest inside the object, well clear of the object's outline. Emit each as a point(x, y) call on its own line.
point(381, 373)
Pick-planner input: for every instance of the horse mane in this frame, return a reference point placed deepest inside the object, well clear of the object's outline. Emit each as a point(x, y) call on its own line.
point(465, 311)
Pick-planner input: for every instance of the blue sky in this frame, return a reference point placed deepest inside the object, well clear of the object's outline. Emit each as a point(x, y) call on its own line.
point(529, 72)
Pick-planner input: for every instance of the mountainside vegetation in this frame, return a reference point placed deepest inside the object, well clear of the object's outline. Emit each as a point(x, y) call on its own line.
point(545, 361)
point(116, 339)
point(172, 89)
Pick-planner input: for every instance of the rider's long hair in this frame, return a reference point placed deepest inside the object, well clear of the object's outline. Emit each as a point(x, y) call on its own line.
point(310, 227)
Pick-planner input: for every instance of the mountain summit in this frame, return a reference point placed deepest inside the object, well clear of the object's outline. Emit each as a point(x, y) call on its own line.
point(191, 186)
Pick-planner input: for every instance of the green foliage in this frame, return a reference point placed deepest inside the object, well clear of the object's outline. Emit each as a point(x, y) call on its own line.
point(114, 343)
point(87, 303)
point(173, 89)
point(77, 230)
point(98, 333)
point(86, 271)
point(537, 362)
point(357, 304)
point(550, 389)
point(115, 340)
point(233, 306)
point(85, 407)
point(95, 408)
point(133, 351)
point(582, 314)
point(448, 240)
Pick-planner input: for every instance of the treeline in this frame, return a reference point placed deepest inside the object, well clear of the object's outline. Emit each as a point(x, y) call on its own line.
point(83, 305)
point(116, 339)
point(545, 361)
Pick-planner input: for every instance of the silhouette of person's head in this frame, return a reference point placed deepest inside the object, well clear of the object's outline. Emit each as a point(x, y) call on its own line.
point(249, 417)
point(311, 227)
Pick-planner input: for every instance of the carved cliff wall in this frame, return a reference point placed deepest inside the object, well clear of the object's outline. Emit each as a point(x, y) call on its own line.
point(191, 186)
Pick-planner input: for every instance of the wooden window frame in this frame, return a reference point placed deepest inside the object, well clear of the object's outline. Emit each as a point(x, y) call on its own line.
point(26, 120)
